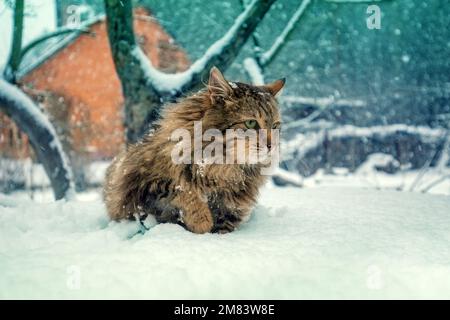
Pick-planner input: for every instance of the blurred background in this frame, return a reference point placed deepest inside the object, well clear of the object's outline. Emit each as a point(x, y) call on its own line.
point(366, 102)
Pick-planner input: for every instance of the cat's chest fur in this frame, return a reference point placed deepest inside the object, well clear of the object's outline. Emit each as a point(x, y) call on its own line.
point(229, 190)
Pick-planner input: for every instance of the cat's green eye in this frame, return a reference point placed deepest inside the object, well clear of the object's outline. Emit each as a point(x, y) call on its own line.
point(251, 124)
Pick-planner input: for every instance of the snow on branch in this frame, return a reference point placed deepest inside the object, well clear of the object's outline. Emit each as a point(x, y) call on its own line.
point(42, 137)
point(269, 54)
point(303, 143)
point(220, 53)
point(324, 102)
point(384, 130)
point(254, 71)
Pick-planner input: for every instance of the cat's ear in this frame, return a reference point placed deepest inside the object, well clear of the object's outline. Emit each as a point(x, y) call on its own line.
point(218, 86)
point(275, 88)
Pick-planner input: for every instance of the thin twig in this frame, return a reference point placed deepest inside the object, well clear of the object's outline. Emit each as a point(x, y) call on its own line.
point(435, 183)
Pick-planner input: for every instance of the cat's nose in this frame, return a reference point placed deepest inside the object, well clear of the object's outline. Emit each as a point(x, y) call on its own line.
point(269, 146)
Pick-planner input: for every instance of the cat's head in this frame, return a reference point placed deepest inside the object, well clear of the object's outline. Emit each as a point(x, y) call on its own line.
point(235, 105)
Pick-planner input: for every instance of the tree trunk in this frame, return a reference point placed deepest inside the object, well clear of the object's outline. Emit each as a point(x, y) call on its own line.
point(16, 44)
point(142, 102)
point(60, 7)
point(42, 137)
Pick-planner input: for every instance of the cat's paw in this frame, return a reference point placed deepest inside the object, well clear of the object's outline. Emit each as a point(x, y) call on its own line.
point(204, 226)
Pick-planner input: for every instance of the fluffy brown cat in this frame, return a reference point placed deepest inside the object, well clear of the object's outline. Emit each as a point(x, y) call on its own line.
point(144, 180)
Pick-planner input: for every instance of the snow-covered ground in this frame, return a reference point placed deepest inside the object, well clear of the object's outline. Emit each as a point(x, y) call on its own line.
point(321, 242)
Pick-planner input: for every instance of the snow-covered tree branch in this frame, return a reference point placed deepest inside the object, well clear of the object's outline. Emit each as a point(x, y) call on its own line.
point(144, 86)
point(255, 65)
point(42, 137)
point(48, 36)
point(29, 118)
point(267, 56)
point(221, 54)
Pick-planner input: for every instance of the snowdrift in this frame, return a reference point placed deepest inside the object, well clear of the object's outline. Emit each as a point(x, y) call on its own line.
point(300, 243)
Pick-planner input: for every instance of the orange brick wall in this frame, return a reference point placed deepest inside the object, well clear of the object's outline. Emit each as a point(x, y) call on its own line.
point(83, 75)
point(13, 142)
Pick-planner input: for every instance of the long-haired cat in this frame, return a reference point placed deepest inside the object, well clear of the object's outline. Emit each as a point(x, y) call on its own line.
point(144, 180)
